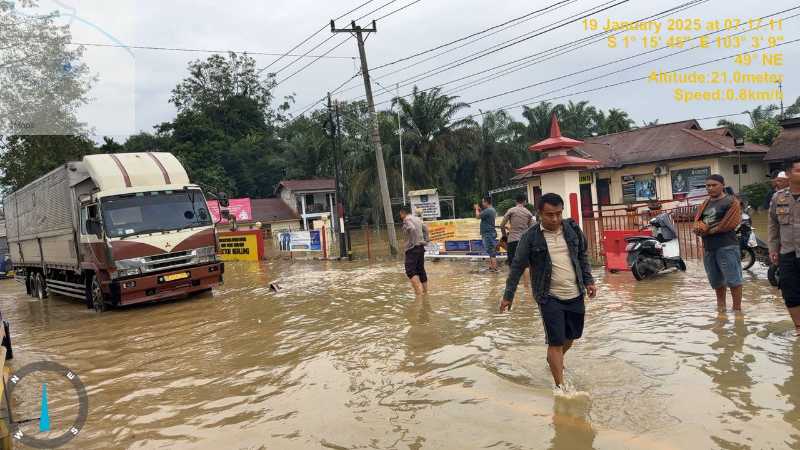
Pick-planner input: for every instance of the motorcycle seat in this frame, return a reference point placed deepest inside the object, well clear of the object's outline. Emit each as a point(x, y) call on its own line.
point(637, 238)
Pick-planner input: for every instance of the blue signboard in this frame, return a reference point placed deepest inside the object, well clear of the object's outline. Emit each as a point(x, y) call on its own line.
point(456, 246)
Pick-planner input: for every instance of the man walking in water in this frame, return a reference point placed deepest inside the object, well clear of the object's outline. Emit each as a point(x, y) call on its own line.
point(519, 220)
point(716, 221)
point(555, 251)
point(416, 238)
point(488, 233)
point(784, 242)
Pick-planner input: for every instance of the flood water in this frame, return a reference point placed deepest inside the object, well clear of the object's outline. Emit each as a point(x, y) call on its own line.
point(346, 357)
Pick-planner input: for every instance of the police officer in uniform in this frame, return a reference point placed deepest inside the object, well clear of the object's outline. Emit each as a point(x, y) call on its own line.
point(784, 241)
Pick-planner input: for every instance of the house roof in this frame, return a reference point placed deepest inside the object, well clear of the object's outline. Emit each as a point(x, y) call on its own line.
point(317, 184)
point(786, 146)
point(269, 210)
point(664, 142)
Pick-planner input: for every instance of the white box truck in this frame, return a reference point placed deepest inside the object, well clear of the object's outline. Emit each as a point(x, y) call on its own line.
point(113, 229)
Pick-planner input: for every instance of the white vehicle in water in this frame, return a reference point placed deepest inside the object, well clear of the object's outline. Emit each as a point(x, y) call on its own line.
point(113, 229)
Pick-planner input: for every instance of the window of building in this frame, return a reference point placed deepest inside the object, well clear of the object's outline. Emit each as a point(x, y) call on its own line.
point(736, 169)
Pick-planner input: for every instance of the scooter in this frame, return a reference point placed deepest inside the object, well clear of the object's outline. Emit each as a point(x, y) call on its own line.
point(652, 255)
point(754, 249)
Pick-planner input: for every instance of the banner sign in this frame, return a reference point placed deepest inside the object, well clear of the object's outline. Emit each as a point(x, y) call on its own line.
point(300, 241)
point(685, 180)
point(238, 207)
point(241, 246)
point(440, 232)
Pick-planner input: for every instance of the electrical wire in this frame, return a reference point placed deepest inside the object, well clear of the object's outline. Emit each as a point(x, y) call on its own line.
point(481, 54)
point(537, 99)
point(511, 91)
point(543, 55)
point(200, 50)
point(466, 44)
point(314, 34)
point(485, 30)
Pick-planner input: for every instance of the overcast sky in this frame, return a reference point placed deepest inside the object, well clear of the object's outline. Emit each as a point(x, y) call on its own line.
point(134, 85)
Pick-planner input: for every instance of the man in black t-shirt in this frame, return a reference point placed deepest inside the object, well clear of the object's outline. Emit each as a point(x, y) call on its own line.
point(716, 222)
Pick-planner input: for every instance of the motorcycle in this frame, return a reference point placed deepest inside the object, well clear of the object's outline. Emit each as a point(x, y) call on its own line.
point(753, 248)
point(652, 255)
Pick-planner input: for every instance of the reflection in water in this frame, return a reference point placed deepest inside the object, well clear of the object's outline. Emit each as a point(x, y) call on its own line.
point(571, 424)
point(345, 356)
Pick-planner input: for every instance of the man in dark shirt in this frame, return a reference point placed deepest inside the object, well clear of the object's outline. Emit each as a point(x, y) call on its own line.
point(716, 222)
point(488, 215)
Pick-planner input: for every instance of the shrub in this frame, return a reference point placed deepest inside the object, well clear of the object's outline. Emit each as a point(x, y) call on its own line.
point(756, 194)
point(504, 206)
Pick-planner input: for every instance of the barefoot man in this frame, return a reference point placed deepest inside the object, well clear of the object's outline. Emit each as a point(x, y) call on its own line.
point(555, 251)
point(416, 238)
point(784, 242)
point(716, 221)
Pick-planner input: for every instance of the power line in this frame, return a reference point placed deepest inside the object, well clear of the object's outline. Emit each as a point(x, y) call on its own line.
point(201, 50)
point(485, 30)
point(478, 55)
point(312, 62)
point(529, 101)
point(466, 44)
point(563, 49)
point(397, 10)
point(332, 36)
point(511, 91)
point(312, 36)
point(307, 108)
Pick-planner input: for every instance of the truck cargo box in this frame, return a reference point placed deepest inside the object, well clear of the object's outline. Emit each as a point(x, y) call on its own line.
point(40, 219)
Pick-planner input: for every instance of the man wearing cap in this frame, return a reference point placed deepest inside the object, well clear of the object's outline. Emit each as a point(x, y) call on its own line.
point(716, 222)
point(779, 182)
point(784, 242)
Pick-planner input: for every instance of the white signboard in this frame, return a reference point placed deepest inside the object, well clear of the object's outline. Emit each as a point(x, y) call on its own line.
point(427, 201)
point(299, 241)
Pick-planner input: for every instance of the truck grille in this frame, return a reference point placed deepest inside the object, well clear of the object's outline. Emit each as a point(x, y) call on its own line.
point(167, 261)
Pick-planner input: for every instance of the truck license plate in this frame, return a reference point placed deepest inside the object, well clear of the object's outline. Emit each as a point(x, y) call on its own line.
point(176, 276)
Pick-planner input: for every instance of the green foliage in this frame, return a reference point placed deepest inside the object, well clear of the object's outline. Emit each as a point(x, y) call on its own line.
point(765, 132)
point(42, 78)
point(26, 158)
point(504, 205)
point(756, 194)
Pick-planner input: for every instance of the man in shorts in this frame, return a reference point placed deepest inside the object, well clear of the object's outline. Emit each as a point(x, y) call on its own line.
point(784, 242)
point(416, 238)
point(488, 215)
point(716, 222)
point(555, 251)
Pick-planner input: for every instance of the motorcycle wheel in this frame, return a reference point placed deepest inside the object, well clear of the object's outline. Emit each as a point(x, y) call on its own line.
point(636, 273)
point(773, 275)
point(748, 258)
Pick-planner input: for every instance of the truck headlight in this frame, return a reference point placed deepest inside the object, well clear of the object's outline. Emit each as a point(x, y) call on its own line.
point(128, 267)
point(204, 255)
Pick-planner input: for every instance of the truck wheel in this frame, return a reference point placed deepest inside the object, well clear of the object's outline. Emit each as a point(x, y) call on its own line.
point(96, 293)
point(41, 290)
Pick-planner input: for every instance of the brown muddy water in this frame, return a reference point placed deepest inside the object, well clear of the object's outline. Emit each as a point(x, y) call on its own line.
point(346, 357)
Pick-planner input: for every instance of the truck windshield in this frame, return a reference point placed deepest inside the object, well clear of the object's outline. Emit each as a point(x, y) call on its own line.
point(152, 212)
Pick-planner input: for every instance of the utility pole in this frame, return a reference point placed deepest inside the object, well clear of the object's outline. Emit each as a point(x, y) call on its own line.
point(780, 88)
point(339, 221)
point(357, 31)
point(400, 136)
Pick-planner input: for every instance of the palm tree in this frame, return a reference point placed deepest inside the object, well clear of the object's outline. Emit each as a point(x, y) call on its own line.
point(498, 151)
point(538, 120)
point(577, 119)
point(616, 121)
point(432, 135)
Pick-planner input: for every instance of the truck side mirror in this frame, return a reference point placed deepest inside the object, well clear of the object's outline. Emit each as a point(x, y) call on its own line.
point(223, 199)
point(93, 226)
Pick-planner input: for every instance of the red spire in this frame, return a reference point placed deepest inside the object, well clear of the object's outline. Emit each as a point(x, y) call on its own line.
point(555, 130)
point(556, 140)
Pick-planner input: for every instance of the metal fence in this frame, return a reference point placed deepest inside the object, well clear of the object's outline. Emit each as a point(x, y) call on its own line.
point(637, 219)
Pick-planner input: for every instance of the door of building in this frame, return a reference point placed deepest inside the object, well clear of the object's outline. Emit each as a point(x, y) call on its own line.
point(604, 192)
point(586, 200)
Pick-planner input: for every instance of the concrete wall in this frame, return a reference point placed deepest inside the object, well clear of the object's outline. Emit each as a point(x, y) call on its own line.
point(757, 171)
